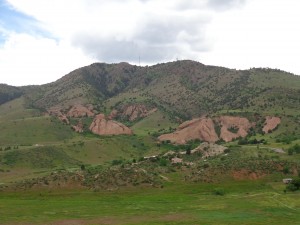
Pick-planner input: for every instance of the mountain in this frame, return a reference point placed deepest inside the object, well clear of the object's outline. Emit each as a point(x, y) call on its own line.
point(183, 88)
point(8, 93)
point(160, 108)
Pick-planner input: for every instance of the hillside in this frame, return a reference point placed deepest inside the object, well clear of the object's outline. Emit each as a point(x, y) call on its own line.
point(182, 88)
point(105, 112)
point(8, 93)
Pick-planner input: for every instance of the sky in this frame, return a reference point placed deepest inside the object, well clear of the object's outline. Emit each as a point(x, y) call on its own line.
point(42, 40)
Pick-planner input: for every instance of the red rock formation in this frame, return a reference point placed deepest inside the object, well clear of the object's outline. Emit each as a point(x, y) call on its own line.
point(57, 113)
point(271, 123)
point(80, 111)
point(113, 114)
point(78, 128)
point(133, 112)
point(204, 129)
point(241, 124)
point(102, 126)
point(201, 129)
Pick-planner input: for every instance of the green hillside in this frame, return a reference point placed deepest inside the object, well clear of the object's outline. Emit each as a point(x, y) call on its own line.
point(8, 93)
point(182, 88)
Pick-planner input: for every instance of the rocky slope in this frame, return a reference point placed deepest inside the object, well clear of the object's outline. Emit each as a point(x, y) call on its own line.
point(225, 128)
point(201, 128)
point(271, 123)
point(78, 110)
point(209, 149)
point(56, 112)
point(233, 127)
point(136, 111)
point(104, 126)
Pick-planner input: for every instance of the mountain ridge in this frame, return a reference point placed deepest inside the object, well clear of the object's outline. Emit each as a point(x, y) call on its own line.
point(174, 86)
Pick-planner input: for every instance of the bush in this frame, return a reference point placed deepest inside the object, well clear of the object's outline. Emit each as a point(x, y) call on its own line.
point(294, 185)
point(291, 187)
point(243, 141)
point(116, 162)
point(294, 149)
point(206, 165)
point(219, 191)
point(227, 150)
point(233, 129)
point(163, 162)
point(286, 170)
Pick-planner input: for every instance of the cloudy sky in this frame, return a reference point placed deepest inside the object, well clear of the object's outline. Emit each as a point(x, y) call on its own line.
point(42, 40)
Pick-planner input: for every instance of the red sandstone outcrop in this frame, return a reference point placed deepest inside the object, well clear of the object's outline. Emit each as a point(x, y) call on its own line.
point(57, 113)
point(204, 129)
point(241, 125)
point(80, 111)
point(113, 114)
point(78, 128)
point(136, 111)
point(271, 123)
point(201, 129)
point(103, 126)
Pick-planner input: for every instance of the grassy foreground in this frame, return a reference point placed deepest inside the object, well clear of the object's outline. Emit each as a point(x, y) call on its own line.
point(244, 202)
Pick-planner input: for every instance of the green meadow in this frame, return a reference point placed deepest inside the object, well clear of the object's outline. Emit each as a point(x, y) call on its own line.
point(242, 202)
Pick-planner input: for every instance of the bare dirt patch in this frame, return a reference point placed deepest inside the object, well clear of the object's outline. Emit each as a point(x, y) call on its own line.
point(244, 174)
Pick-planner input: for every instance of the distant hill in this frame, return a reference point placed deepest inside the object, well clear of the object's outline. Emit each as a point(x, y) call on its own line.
point(8, 93)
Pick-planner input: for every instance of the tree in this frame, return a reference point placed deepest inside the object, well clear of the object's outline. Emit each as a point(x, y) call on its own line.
point(294, 185)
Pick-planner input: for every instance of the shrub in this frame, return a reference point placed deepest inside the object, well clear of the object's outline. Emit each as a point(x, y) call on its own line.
point(233, 129)
point(286, 170)
point(206, 165)
point(219, 191)
point(294, 149)
point(294, 185)
point(163, 162)
point(242, 141)
point(227, 150)
point(116, 162)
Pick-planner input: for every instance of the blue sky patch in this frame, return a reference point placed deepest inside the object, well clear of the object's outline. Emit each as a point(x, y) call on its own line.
point(12, 20)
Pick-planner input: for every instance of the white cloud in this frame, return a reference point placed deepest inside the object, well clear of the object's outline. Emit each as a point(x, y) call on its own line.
point(263, 34)
point(25, 59)
point(231, 33)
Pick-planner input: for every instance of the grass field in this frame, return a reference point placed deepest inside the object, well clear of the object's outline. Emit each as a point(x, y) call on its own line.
point(153, 123)
point(244, 202)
